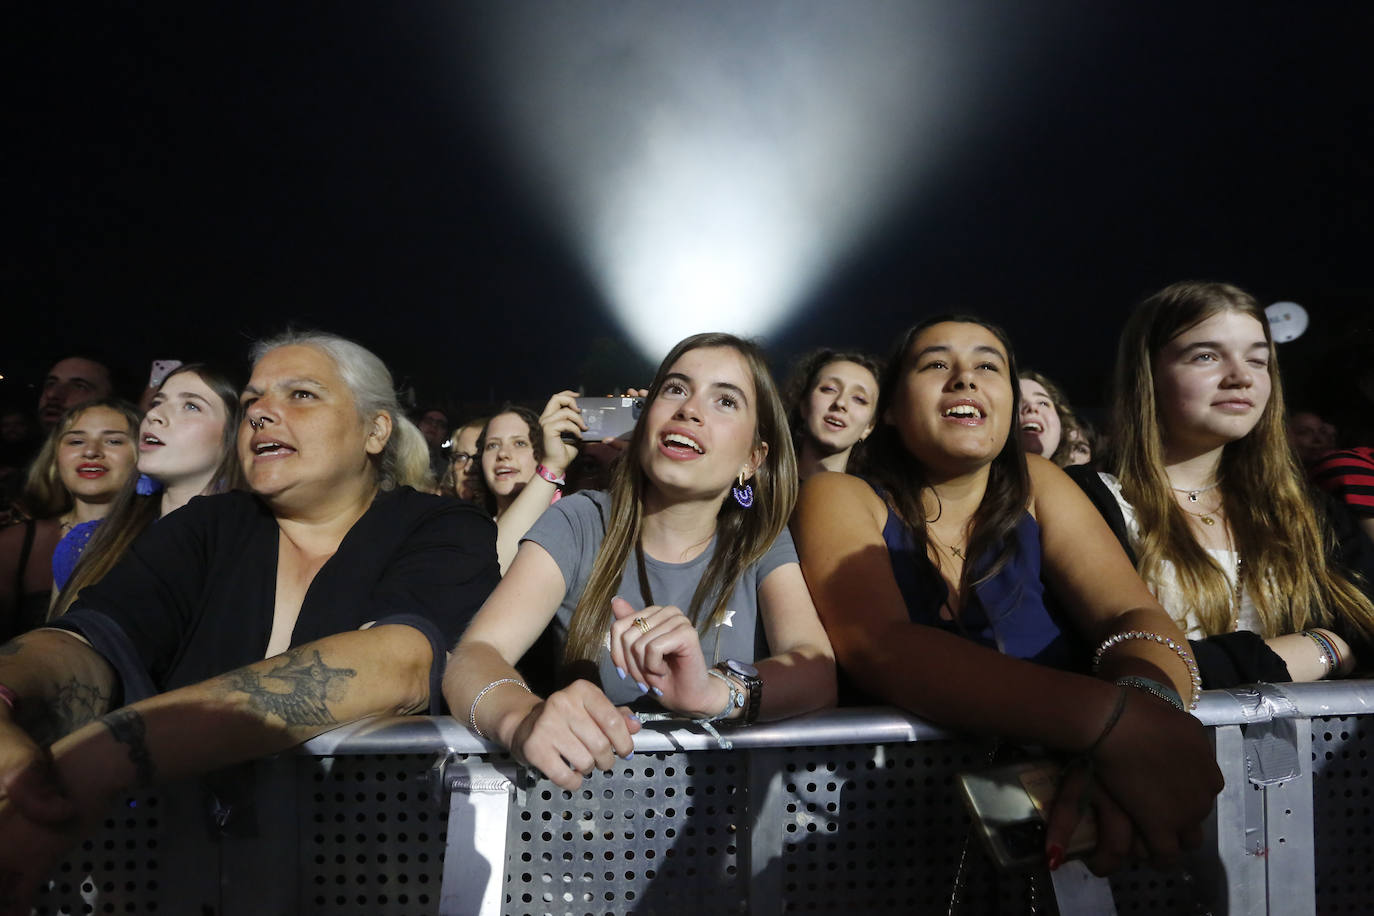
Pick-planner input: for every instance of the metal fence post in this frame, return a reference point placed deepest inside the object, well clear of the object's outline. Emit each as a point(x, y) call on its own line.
point(480, 796)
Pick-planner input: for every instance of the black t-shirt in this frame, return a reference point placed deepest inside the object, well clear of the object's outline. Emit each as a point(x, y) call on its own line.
point(195, 595)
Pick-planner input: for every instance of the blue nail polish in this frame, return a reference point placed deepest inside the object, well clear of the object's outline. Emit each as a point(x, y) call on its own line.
point(630, 755)
point(635, 717)
point(658, 692)
point(643, 688)
point(620, 671)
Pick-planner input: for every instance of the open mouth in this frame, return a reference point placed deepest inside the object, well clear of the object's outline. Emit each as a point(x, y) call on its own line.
point(964, 412)
point(682, 443)
point(271, 448)
point(835, 423)
point(91, 471)
point(150, 441)
point(1032, 427)
point(501, 473)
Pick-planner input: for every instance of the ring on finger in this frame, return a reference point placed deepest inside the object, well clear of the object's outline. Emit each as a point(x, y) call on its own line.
point(642, 624)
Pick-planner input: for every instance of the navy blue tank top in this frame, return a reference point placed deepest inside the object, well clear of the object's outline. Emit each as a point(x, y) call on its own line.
point(1007, 612)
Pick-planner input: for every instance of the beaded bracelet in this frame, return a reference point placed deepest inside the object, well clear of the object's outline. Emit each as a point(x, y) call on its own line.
point(1154, 688)
point(1181, 651)
point(10, 698)
point(1326, 650)
point(472, 712)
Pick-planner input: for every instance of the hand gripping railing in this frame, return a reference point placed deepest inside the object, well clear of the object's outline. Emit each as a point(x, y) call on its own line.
point(1260, 846)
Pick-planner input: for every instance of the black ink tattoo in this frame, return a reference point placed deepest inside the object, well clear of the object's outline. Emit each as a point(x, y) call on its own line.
point(73, 705)
point(310, 683)
point(128, 728)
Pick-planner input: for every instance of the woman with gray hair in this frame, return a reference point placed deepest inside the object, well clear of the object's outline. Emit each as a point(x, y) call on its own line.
point(246, 622)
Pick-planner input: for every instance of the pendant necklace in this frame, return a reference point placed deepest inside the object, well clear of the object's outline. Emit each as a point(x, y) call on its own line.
point(1193, 494)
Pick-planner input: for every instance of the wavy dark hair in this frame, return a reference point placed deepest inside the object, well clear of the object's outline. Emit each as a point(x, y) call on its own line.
point(803, 379)
point(482, 494)
point(888, 463)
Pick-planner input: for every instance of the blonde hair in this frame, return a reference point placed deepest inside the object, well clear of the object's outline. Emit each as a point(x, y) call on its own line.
point(743, 536)
point(1281, 536)
point(44, 494)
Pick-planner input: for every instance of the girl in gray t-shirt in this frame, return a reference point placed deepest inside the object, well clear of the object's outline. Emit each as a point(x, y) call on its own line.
point(658, 589)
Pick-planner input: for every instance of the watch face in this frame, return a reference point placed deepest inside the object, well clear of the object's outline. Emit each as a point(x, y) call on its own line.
point(743, 669)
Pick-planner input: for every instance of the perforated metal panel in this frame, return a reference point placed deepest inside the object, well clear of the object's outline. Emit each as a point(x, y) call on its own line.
point(657, 836)
point(119, 869)
point(371, 836)
point(1343, 797)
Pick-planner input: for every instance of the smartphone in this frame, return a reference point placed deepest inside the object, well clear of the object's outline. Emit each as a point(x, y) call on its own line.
point(609, 418)
point(160, 369)
point(1009, 805)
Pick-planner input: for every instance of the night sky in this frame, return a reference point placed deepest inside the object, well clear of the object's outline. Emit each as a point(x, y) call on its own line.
point(182, 180)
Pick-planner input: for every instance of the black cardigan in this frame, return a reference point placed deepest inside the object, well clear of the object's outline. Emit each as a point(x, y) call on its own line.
point(1243, 657)
point(195, 595)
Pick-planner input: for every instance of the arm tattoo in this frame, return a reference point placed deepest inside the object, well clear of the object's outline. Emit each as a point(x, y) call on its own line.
point(127, 727)
point(73, 705)
point(309, 683)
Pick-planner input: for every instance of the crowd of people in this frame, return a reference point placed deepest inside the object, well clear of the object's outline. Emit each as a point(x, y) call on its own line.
point(228, 572)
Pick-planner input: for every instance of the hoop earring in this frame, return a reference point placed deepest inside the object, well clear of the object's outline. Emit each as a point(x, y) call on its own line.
point(744, 493)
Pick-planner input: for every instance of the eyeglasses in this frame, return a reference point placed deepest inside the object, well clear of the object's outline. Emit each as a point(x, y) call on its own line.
point(462, 458)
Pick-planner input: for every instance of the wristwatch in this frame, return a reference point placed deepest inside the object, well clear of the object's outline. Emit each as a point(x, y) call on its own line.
point(747, 675)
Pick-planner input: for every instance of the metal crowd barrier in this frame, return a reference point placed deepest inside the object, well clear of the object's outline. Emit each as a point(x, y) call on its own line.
point(851, 811)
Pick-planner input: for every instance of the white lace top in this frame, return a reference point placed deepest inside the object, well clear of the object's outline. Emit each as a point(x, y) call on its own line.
point(1167, 590)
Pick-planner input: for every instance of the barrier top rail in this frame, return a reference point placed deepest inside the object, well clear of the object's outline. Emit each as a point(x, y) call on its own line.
point(850, 725)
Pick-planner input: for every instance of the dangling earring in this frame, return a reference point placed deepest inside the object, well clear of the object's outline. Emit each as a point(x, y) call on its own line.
point(744, 493)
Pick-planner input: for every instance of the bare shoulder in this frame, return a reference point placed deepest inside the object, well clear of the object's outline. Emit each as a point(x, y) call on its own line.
point(1048, 484)
point(830, 497)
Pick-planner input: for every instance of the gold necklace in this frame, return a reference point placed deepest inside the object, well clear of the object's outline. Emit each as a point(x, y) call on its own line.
point(958, 552)
point(1204, 517)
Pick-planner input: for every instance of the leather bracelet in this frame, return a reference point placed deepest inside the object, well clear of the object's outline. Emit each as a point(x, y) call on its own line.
point(558, 480)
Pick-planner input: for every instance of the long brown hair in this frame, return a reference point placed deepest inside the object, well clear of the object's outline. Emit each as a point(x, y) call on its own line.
point(889, 464)
point(743, 536)
point(1062, 408)
point(481, 493)
point(132, 512)
point(1276, 528)
point(806, 373)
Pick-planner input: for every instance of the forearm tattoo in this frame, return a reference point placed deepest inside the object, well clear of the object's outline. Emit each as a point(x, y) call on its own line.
point(128, 727)
point(309, 684)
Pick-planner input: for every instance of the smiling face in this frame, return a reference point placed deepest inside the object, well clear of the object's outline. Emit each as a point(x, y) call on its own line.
point(310, 446)
point(702, 426)
point(507, 457)
point(1212, 383)
point(953, 405)
point(839, 409)
point(1040, 426)
point(181, 437)
point(95, 457)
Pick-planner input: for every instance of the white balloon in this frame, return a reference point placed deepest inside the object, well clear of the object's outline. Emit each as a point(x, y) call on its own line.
point(1287, 321)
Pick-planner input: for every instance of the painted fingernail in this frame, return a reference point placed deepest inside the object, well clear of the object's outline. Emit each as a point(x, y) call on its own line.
point(635, 717)
point(1055, 857)
point(643, 688)
point(658, 692)
point(620, 671)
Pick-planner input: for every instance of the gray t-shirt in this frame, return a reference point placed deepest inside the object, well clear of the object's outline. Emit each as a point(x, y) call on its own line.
point(572, 530)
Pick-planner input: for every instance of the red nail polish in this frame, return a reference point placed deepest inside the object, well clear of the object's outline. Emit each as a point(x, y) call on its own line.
point(1055, 857)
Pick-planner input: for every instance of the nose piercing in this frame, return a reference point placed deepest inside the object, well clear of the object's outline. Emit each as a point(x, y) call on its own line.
point(255, 424)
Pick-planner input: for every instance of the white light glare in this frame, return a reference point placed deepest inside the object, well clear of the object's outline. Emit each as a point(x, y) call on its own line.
point(713, 160)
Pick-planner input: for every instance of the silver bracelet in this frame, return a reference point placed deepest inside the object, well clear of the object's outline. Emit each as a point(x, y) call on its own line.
point(472, 712)
point(1181, 651)
point(1154, 688)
